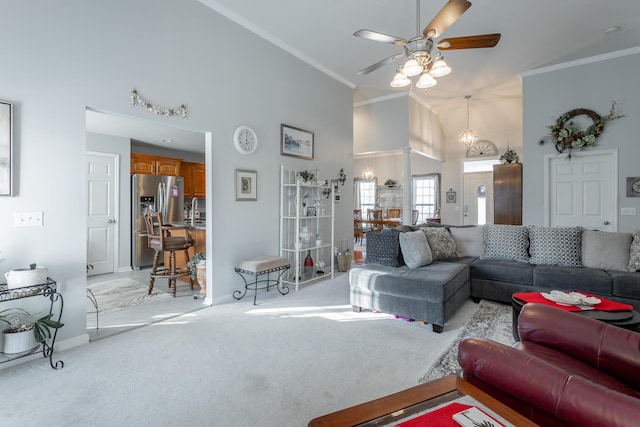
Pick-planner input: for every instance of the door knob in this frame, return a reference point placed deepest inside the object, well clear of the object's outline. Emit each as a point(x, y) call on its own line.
point(607, 223)
point(111, 221)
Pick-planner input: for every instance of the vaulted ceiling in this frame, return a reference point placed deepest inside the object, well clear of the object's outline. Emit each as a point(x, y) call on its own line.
point(535, 33)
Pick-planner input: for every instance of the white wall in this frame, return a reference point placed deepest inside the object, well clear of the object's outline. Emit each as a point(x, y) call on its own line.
point(381, 126)
point(68, 55)
point(552, 92)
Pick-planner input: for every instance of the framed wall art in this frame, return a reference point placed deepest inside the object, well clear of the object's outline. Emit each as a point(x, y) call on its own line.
point(6, 148)
point(296, 142)
point(246, 185)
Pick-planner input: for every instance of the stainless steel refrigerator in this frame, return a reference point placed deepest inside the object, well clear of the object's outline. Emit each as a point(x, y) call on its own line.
point(163, 194)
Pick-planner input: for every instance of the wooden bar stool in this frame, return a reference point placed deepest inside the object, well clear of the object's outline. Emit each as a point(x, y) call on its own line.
point(160, 240)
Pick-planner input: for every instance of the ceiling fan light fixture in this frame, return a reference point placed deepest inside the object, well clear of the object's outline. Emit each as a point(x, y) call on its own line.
point(411, 68)
point(399, 80)
point(426, 81)
point(440, 68)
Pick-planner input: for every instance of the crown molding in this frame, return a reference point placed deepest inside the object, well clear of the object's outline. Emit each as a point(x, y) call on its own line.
point(582, 61)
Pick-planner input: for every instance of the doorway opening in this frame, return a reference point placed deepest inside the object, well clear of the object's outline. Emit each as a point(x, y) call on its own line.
point(478, 192)
point(118, 297)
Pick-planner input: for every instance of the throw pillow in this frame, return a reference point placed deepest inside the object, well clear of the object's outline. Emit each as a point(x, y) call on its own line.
point(506, 242)
point(634, 256)
point(441, 243)
point(415, 249)
point(469, 240)
point(383, 248)
point(555, 246)
point(606, 250)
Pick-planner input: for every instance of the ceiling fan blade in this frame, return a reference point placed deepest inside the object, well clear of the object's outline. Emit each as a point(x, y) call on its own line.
point(447, 16)
point(379, 64)
point(470, 42)
point(380, 37)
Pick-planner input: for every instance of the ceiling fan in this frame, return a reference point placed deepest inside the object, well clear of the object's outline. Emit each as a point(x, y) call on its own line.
point(420, 47)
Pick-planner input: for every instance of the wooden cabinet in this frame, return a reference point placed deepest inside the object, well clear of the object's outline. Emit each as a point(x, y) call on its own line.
point(507, 194)
point(154, 165)
point(194, 179)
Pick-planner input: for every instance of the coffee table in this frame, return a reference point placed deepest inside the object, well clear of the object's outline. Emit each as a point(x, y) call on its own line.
point(625, 319)
point(395, 407)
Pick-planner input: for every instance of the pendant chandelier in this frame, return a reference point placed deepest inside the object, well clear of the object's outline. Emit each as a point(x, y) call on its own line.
point(367, 173)
point(467, 137)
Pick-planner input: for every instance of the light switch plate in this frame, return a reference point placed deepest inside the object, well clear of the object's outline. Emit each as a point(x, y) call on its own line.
point(627, 211)
point(27, 219)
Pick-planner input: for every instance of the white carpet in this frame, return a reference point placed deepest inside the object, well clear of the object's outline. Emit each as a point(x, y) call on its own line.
point(115, 295)
point(281, 363)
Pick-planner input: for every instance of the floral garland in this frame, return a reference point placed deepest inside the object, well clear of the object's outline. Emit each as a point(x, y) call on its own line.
point(566, 136)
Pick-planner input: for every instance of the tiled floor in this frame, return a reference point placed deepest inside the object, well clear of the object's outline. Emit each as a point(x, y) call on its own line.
point(135, 317)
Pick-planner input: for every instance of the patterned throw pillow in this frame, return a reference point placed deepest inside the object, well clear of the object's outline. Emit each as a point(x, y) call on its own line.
point(559, 246)
point(506, 242)
point(415, 249)
point(634, 255)
point(441, 242)
point(383, 248)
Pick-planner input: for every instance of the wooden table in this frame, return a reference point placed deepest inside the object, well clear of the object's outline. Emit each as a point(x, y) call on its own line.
point(414, 400)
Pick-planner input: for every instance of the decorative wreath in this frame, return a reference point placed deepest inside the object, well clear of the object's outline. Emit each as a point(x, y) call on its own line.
point(566, 136)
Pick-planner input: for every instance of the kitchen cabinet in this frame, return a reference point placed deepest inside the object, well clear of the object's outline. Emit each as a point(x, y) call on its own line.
point(154, 165)
point(194, 179)
point(507, 194)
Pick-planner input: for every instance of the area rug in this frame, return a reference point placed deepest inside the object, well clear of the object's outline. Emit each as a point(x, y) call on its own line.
point(115, 295)
point(492, 320)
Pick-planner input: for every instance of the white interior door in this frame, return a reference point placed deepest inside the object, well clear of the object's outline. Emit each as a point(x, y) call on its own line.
point(102, 180)
point(477, 208)
point(582, 190)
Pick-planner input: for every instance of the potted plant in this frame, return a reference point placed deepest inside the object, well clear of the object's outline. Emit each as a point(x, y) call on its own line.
point(390, 182)
point(307, 176)
point(26, 330)
point(198, 271)
point(510, 156)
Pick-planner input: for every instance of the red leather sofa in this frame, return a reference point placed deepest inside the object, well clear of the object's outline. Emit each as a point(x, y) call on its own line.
point(567, 370)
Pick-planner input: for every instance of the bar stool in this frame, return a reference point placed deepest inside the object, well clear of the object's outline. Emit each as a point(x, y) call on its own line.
point(160, 240)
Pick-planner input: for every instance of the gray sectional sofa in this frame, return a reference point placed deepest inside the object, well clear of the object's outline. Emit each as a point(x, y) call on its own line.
point(426, 272)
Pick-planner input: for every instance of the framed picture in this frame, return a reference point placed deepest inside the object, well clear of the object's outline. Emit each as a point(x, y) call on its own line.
point(296, 142)
point(451, 196)
point(633, 186)
point(246, 185)
point(6, 148)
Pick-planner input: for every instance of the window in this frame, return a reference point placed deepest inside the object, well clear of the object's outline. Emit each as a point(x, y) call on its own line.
point(479, 165)
point(426, 196)
point(365, 195)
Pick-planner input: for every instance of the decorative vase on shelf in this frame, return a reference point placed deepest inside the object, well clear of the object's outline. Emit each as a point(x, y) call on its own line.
point(308, 266)
point(318, 239)
point(305, 236)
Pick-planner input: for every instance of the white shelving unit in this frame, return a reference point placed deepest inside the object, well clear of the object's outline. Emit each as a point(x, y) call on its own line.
point(298, 201)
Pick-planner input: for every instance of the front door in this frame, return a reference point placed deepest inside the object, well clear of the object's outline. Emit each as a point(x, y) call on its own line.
point(102, 170)
point(478, 198)
point(581, 190)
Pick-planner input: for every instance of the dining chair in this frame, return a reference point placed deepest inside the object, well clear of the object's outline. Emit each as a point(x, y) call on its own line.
point(393, 213)
point(374, 217)
point(359, 226)
point(160, 240)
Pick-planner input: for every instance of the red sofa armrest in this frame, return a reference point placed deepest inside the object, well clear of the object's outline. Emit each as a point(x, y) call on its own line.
point(607, 348)
point(518, 374)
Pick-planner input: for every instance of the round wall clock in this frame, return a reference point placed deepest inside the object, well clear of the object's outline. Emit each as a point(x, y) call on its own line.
point(245, 139)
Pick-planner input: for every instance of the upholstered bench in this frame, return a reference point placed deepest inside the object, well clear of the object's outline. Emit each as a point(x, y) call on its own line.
point(257, 267)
